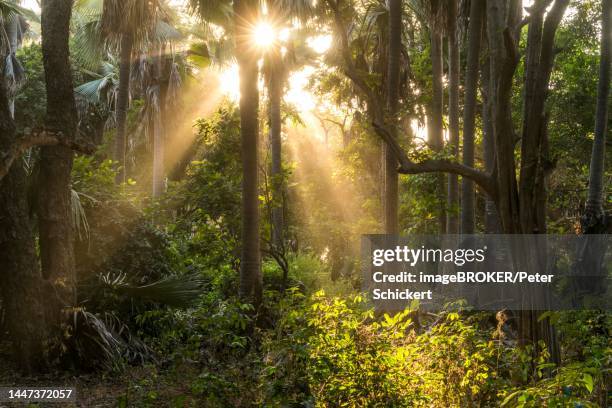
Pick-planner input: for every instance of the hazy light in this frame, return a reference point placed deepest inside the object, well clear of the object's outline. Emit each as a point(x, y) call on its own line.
point(298, 94)
point(321, 43)
point(284, 34)
point(32, 5)
point(264, 35)
point(229, 82)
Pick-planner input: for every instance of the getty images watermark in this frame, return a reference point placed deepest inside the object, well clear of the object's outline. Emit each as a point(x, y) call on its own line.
point(487, 272)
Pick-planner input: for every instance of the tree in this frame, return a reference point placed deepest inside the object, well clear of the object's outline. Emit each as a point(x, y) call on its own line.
point(126, 25)
point(488, 146)
point(276, 70)
point(592, 250)
point(275, 82)
point(452, 222)
point(520, 203)
point(435, 126)
point(391, 193)
point(594, 216)
point(239, 18)
point(54, 199)
point(22, 291)
point(246, 13)
point(469, 112)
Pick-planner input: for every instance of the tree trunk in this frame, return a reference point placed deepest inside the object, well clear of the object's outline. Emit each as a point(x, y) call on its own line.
point(158, 150)
point(21, 288)
point(158, 127)
point(452, 221)
point(523, 211)
point(535, 162)
point(594, 217)
point(123, 100)
point(245, 14)
point(491, 219)
point(54, 196)
point(469, 112)
point(391, 193)
point(275, 90)
point(435, 125)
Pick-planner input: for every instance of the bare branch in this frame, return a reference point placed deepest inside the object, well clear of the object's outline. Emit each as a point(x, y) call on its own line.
point(39, 137)
point(407, 166)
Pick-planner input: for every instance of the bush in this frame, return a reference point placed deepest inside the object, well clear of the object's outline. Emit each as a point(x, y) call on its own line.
point(334, 351)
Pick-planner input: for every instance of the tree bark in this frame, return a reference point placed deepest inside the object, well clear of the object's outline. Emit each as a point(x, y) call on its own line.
point(157, 98)
point(123, 101)
point(491, 218)
point(594, 217)
point(522, 210)
point(21, 288)
point(435, 125)
point(391, 179)
point(245, 15)
point(275, 91)
point(54, 197)
point(469, 112)
point(158, 151)
point(452, 219)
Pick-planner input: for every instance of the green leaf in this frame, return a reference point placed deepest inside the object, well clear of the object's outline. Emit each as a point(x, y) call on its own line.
point(588, 382)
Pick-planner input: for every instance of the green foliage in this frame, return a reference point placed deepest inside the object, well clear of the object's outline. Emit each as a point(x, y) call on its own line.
point(31, 100)
point(334, 351)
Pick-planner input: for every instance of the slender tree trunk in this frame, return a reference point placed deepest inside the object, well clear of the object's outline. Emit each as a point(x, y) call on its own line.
point(245, 14)
point(491, 218)
point(275, 90)
point(21, 289)
point(452, 221)
point(593, 220)
point(123, 101)
point(54, 194)
point(435, 125)
point(469, 112)
point(158, 151)
point(391, 194)
point(158, 128)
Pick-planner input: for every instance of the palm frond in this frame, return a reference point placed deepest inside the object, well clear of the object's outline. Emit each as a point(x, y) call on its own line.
point(293, 9)
point(177, 291)
point(79, 218)
point(165, 32)
point(213, 11)
point(88, 45)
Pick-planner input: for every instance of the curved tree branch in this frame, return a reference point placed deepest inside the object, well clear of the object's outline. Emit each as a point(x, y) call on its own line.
point(407, 166)
point(36, 138)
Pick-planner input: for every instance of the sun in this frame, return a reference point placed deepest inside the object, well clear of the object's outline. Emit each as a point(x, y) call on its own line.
point(264, 34)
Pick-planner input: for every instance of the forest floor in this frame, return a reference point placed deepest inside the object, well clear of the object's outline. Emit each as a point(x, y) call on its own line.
point(142, 386)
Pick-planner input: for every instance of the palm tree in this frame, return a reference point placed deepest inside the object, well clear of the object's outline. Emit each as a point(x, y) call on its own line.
point(240, 17)
point(276, 70)
point(246, 13)
point(592, 249)
point(594, 216)
point(109, 88)
point(469, 112)
point(126, 25)
point(276, 77)
point(14, 25)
